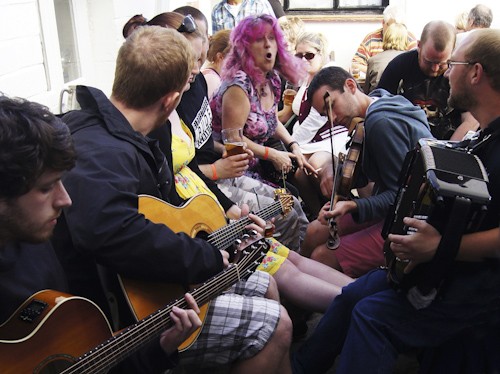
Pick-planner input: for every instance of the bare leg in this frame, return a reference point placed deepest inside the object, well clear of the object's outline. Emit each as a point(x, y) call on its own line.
point(316, 235)
point(308, 192)
point(272, 291)
point(305, 290)
point(319, 270)
point(275, 356)
point(326, 256)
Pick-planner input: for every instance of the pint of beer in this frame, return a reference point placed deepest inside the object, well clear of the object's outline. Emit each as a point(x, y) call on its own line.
point(289, 93)
point(233, 141)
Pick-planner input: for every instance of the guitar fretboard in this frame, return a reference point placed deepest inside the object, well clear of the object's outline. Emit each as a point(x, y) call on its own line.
point(128, 341)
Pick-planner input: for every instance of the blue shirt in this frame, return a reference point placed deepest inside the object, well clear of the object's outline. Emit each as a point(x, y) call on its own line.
point(222, 19)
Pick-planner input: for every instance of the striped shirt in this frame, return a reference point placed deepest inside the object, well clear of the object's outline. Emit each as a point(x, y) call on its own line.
point(372, 44)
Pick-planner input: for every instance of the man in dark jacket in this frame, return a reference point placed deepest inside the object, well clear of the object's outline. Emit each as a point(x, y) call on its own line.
point(392, 127)
point(36, 149)
point(103, 233)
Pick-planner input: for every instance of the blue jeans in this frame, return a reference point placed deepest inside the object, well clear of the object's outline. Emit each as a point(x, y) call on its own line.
point(371, 324)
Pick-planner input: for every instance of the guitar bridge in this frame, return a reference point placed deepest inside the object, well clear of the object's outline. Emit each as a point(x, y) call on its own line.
point(32, 311)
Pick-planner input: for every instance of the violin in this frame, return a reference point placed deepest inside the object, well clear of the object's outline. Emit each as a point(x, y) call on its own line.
point(345, 174)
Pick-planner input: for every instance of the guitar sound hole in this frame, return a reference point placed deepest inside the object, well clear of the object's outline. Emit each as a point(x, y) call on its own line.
point(54, 364)
point(202, 235)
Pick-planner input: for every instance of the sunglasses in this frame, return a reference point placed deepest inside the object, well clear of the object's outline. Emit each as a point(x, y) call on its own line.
point(307, 55)
point(188, 25)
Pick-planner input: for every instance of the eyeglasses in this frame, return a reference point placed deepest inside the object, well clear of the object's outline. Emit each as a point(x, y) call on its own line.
point(451, 63)
point(188, 25)
point(307, 55)
point(432, 63)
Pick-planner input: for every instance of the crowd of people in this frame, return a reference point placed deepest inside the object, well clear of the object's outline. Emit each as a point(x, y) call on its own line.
point(72, 189)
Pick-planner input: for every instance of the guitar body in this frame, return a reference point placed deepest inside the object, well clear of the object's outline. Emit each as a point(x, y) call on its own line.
point(200, 216)
point(49, 331)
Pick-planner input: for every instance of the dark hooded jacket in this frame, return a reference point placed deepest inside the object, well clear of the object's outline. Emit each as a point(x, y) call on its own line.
point(393, 127)
point(103, 229)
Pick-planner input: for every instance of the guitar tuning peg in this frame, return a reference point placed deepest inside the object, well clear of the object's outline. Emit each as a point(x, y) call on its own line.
point(253, 233)
point(237, 242)
point(245, 236)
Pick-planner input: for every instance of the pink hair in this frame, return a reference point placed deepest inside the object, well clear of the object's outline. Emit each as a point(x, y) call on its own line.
point(240, 58)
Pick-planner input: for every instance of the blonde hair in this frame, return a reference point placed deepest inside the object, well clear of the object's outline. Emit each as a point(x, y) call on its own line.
point(461, 21)
point(396, 37)
point(292, 27)
point(317, 41)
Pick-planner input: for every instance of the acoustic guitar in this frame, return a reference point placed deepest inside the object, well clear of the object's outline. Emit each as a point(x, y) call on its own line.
point(53, 332)
point(201, 217)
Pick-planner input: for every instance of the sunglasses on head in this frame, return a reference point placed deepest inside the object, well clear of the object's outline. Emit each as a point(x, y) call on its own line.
point(307, 55)
point(188, 25)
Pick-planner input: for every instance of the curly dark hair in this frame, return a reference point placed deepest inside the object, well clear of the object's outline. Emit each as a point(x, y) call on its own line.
point(32, 141)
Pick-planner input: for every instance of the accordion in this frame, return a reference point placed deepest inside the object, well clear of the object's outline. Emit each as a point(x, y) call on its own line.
point(447, 188)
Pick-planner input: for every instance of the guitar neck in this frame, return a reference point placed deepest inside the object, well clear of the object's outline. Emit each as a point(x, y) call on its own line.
point(224, 237)
point(128, 341)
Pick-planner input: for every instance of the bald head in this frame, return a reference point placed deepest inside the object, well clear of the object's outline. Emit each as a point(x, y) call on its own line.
point(440, 33)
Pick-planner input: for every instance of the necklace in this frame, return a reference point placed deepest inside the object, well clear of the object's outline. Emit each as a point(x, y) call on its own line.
point(263, 89)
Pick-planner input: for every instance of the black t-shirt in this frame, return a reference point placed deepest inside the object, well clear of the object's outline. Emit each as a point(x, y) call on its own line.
point(194, 110)
point(403, 76)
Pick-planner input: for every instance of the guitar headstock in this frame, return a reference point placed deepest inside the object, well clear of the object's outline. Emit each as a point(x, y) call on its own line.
point(250, 256)
point(285, 198)
point(245, 240)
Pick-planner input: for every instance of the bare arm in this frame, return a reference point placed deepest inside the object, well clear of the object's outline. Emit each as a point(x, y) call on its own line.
point(469, 123)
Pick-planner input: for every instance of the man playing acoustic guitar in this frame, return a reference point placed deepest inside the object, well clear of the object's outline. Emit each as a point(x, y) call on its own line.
point(392, 127)
point(35, 151)
point(103, 233)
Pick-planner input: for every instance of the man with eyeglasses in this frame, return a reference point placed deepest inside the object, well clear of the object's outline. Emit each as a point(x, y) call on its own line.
point(370, 322)
point(418, 75)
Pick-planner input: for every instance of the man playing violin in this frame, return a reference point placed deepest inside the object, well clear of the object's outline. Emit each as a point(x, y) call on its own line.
point(392, 127)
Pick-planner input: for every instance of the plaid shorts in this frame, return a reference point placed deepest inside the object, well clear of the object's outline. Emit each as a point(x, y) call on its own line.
point(238, 325)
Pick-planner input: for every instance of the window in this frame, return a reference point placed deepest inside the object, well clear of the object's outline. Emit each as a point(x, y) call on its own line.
point(335, 6)
point(67, 40)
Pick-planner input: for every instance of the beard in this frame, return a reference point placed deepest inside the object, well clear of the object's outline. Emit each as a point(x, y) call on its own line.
point(462, 100)
point(15, 226)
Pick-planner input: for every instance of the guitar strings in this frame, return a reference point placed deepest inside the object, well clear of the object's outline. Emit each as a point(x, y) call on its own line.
point(225, 236)
point(151, 326)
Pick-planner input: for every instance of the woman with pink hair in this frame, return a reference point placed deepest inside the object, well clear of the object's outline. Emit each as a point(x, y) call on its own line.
point(251, 89)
